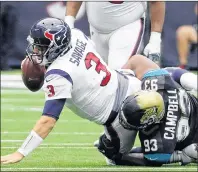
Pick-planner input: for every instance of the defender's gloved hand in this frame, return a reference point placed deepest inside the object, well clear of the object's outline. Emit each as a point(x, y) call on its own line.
point(108, 147)
point(153, 48)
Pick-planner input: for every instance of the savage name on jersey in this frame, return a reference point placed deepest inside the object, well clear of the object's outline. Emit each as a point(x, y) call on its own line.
point(92, 89)
point(174, 132)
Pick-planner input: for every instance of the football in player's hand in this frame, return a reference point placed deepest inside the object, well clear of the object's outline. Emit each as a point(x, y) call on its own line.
point(32, 75)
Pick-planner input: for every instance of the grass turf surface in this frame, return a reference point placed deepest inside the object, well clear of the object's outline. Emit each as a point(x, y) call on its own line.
point(69, 147)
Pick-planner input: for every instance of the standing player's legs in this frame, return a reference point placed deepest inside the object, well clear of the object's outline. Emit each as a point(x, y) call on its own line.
point(101, 43)
point(124, 43)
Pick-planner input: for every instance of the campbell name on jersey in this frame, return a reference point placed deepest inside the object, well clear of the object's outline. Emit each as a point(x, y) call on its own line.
point(173, 127)
point(82, 77)
point(108, 16)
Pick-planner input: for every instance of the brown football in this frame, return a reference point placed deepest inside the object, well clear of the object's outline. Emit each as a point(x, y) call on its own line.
point(32, 75)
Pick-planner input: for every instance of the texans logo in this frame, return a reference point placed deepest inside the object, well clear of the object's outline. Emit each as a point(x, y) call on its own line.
point(57, 35)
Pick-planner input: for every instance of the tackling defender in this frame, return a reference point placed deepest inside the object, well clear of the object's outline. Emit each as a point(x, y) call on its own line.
point(167, 120)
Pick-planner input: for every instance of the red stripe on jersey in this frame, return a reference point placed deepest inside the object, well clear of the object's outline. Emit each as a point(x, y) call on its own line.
point(139, 37)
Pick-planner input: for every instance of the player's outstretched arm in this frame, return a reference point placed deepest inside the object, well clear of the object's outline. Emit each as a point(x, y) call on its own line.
point(40, 131)
point(42, 128)
point(72, 9)
point(157, 14)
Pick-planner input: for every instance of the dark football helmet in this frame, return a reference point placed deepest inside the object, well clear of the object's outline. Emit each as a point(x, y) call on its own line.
point(141, 110)
point(49, 37)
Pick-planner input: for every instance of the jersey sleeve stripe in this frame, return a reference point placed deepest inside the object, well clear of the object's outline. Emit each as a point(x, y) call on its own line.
point(140, 36)
point(53, 108)
point(61, 73)
point(177, 73)
point(159, 157)
point(157, 72)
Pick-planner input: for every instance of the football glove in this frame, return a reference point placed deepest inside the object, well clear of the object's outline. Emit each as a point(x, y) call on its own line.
point(153, 48)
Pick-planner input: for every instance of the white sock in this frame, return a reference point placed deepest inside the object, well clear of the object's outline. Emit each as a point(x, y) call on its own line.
point(189, 81)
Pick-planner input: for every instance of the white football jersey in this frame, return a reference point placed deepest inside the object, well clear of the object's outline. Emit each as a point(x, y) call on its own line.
point(108, 16)
point(82, 77)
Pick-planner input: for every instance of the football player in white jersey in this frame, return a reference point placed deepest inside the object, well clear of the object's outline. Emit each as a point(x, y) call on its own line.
point(77, 77)
point(117, 28)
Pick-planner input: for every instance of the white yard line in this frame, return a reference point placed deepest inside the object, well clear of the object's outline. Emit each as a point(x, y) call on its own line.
point(21, 100)
point(55, 133)
point(51, 147)
point(13, 105)
point(13, 77)
point(28, 107)
point(50, 144)
point(33, 121)
point(25, 108)
point(13, 84)
point(12, 141)
point(101, 169)
point(21, 106)
point(19, 91)
point(36, 109)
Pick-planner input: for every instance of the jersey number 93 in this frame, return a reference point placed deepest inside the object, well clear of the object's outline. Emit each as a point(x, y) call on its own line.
point(151, 84)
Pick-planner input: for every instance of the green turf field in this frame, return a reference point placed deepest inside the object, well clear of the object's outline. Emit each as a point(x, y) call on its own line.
point(69, 147)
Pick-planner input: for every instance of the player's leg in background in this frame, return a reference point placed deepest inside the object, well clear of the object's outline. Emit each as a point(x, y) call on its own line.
point(100, 41)
point(186, 35)
point(186, 79)
point(124, 43)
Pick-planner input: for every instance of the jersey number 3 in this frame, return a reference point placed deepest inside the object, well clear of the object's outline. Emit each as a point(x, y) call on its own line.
point(99, 67)
point(51, 91)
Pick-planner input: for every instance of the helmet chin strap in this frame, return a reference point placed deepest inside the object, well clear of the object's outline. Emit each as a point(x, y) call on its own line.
point(45, 61)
